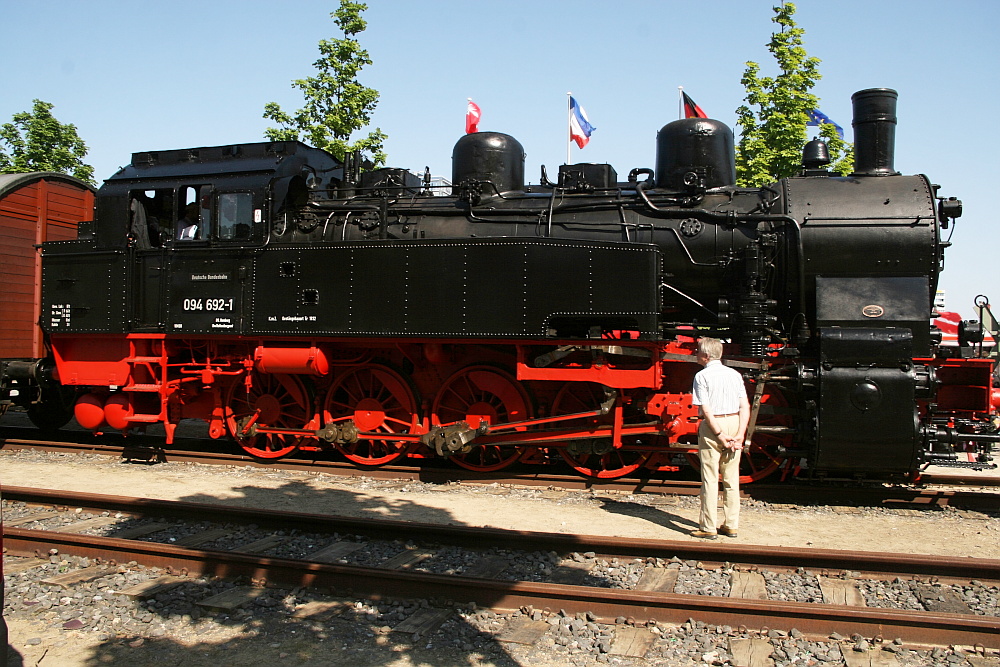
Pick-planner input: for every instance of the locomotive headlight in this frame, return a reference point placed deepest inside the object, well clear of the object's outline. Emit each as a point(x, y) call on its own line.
point(948, 209)
point(969, 332)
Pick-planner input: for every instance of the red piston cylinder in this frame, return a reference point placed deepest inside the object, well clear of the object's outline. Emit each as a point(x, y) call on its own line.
point(294, 360)
point(116, 411)
point(89, 411)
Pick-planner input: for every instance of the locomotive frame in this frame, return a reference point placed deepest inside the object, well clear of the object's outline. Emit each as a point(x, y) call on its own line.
point(320, 307)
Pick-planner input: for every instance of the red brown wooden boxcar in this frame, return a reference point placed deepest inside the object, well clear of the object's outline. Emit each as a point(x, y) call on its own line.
point(35, 207)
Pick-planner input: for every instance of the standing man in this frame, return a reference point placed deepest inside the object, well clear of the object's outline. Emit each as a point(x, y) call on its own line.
point(722, 402)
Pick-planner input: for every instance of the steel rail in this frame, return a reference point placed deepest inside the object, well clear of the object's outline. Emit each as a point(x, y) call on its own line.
point(830, 559)
point(798, 493)
point(607, 604)
point(959, 480)
point(137, 445)
point(433, 475)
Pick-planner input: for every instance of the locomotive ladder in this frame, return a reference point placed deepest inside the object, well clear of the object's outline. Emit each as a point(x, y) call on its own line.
point(147, 375)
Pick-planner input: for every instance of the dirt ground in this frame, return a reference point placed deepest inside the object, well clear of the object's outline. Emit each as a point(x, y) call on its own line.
point(956, 534)
point(950, 534)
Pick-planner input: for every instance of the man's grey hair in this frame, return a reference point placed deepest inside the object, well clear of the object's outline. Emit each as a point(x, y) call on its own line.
point(710, 347)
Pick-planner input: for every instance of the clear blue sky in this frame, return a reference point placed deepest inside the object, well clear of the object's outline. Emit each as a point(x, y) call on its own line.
point(141, 75)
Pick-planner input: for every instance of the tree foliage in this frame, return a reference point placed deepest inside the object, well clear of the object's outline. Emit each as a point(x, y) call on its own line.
point(336, 104)
point(36, 141)
point(773, 120)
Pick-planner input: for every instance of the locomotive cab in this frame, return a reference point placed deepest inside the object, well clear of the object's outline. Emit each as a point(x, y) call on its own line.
point(228, 194)
point(173, 222)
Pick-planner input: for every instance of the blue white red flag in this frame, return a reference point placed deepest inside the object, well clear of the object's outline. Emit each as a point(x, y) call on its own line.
point(817, 118)
point(472, 116)
point(579, 125)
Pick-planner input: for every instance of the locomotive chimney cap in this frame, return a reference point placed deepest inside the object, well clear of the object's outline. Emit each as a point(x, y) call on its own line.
point(874, 131)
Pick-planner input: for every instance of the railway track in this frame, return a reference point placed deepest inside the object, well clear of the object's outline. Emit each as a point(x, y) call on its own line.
point(543, 573)
point(209, 451)
point(958, 491)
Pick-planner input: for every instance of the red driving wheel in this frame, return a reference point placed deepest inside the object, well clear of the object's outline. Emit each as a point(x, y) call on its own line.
point(378, 400)
point(480, 394)
point(275, 400)
point(593, 458)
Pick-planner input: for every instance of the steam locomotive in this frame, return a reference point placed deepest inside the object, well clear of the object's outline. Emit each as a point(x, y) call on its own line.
point(296, 302)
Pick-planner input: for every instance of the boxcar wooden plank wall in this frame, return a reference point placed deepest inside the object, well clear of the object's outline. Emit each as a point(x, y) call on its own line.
point(33, 208)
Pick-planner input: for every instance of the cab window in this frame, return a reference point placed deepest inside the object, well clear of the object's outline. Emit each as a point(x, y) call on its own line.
point(235, 216)
point(195, 213)
point(151, 217)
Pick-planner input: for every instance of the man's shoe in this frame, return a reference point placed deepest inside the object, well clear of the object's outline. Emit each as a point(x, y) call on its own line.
point(703, 535)
point(727, 531)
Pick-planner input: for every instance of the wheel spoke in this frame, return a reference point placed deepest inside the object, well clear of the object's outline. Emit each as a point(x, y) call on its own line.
point(405, 423)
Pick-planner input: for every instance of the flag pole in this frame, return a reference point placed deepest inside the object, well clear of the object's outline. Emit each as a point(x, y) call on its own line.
point(569, 124)
point(680, 101)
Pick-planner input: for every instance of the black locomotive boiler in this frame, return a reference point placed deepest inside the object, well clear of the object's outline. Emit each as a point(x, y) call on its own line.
point(295, 302)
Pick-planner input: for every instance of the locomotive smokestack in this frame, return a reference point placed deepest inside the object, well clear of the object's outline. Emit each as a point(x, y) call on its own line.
point(874, 131)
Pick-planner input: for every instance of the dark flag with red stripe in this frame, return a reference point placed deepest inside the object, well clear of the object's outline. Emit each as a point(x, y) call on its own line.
point(692, 110)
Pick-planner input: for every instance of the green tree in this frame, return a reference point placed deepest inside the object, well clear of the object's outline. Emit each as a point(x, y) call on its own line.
point(36, 141)
point(773, 120)
point(336, 105)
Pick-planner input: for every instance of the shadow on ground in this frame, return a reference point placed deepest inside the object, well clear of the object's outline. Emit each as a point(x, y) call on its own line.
point(300, 626)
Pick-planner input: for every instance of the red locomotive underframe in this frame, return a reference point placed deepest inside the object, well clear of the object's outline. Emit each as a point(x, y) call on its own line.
point(522, 400)
point(254, 389)
point(153, 364)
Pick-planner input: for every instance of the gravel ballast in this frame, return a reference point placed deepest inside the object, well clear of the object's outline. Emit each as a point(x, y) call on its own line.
point(50, 622)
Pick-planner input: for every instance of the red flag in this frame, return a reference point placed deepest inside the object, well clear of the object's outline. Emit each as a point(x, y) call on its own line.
point(472, 115)
point(692, 110)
